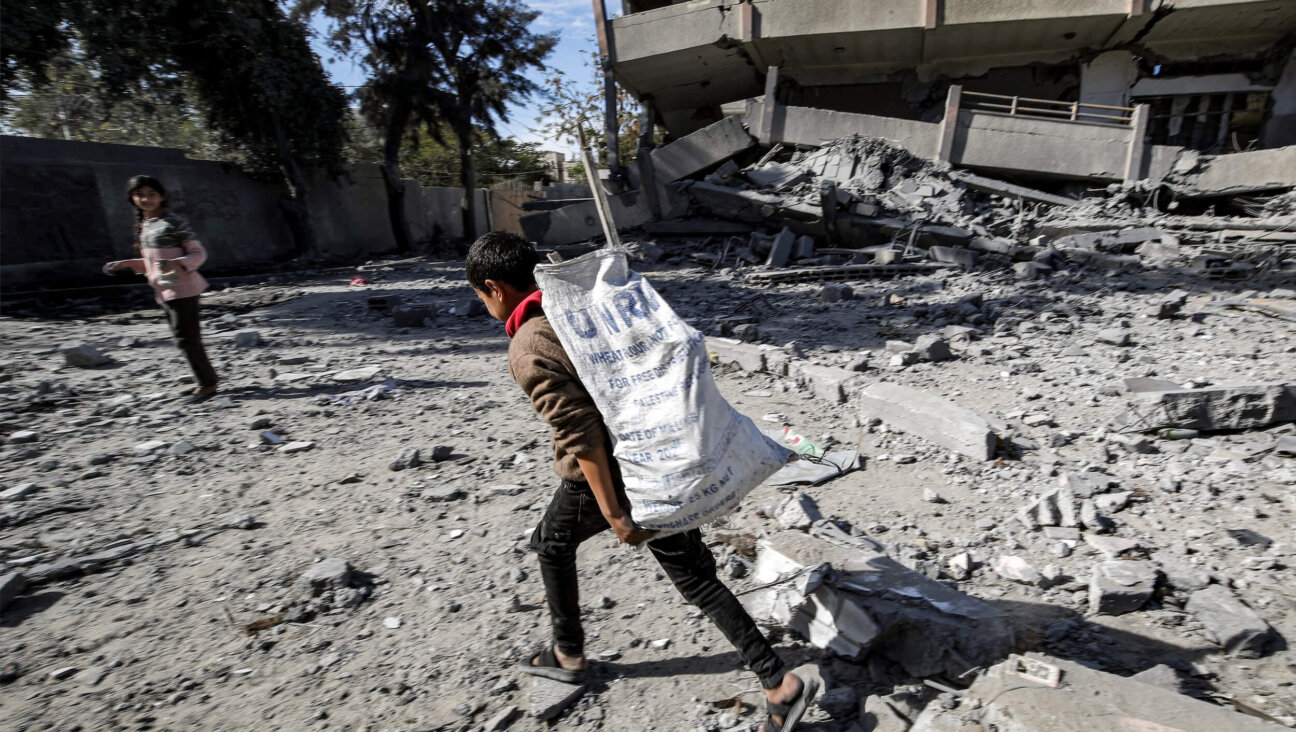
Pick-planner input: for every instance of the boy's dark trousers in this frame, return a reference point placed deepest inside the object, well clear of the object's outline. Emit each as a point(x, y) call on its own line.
point(574, 516)
point(186, 330)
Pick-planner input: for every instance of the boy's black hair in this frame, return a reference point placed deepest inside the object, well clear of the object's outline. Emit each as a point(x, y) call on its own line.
point(502, 256)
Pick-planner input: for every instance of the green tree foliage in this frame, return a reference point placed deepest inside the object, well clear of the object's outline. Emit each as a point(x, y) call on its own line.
point(436, 163)
point(72, 104)
point(569, 104)
point(437, 65)
point(253, 75)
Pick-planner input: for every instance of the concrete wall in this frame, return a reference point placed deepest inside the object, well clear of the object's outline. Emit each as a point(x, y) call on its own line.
point(695, 56)
point(63, 211)
point(991, 142)
point(805, 126)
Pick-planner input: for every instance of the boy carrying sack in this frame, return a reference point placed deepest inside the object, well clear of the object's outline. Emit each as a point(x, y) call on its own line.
point(591, 496)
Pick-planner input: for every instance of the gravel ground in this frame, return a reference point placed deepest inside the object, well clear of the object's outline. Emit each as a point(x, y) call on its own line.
point(193, 612)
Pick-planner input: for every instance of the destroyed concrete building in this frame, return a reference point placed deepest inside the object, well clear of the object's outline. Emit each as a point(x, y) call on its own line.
point(1212, 73)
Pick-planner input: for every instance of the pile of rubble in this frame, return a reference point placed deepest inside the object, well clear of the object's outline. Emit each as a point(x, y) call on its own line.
point(857, 208)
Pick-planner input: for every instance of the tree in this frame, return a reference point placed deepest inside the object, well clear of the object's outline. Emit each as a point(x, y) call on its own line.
point(569, 105)
point(254, 77)
point(434, 163)
point(456, 63)
point(71, 105)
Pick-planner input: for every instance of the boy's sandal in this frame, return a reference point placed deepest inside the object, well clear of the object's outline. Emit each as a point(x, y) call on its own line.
point(545, 663)
point(791, 711)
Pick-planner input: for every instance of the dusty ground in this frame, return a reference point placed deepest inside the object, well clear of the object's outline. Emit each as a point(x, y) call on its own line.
point(221, 534)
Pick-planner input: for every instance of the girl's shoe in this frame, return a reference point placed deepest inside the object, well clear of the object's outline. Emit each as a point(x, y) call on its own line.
point(202, 394)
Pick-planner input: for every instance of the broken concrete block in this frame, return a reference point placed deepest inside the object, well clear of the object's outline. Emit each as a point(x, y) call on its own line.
point(1180, 574)
point(726, 351)
point(1234, 626)
point(247, 339)
point(11, 586)
point(877, 715)
point(83, 355)
point(730, 203)
point(1110, 546)
point(776, 175)
point(1223, 407)
point(1114, 336)
point(964, 258)
point(836, 292)
point(1083, 700)
point(747, 332)
point(781, 248)
point(798, 512)
point(327, 574)
point(932, 417)
point(854, 599)
point(829, 383)
point(1119, 587)
point(699, 150)
point(1054, 508)
point(1016, 569)
point(931, 347)
point(549, 698)
point(805, 247)
point(18, 492)
point(415, 317)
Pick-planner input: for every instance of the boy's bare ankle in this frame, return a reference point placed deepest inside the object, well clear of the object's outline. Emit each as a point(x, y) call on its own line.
point(568, 661)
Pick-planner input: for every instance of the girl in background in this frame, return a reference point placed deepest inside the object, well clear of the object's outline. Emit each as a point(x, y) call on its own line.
point(170, 256)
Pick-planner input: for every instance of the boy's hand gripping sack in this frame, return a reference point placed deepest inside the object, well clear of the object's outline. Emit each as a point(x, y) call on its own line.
point(687, 456)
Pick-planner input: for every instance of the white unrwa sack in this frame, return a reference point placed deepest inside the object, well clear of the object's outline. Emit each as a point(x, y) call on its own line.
point(687, 456)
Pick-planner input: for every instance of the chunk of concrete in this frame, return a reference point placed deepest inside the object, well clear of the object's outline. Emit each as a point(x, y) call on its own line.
point(1057, 507)
point(1239, 407)
point(11, 586)
point(744, 356)
point(931, 347)
point(700, 150)
point(799, 511)
point(1234, 626)
point(845, 594)
point(734, 204)
point(1085, 700)
point(876, 715)
point(413, 317)
point(781, 249)
point(330, 573)
point(964, 258)
point(247, 339)
point(932, 417)
point(832, 384)
point(549, 698)
point(82, 355)
point(1118, 587)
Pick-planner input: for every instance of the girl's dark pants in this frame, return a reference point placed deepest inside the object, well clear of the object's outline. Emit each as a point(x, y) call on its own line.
point(186, 330)
point(574, 516)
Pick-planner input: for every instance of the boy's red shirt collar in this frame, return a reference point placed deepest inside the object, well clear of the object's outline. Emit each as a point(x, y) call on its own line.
point(522, 312)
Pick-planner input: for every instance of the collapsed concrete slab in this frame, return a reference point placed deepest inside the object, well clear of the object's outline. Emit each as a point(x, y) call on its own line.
point(929, 416)
point(1040, 692)
point(580, 221)
point(845, 594)
point(1234, 626)
point(1224, 407)
point(700, 150)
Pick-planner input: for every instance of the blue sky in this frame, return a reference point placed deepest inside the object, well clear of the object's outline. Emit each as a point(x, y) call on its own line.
point(573, 20)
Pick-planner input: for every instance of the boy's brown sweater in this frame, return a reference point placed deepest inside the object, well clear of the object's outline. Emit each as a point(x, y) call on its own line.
point(540, 365)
